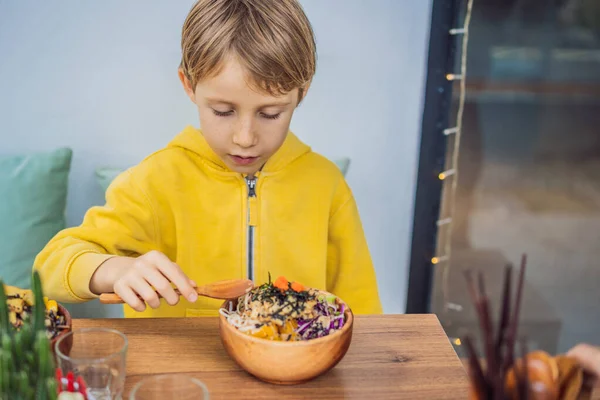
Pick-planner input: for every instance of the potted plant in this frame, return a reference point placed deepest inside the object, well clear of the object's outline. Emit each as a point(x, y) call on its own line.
point(20, 309)
point(26, 363)
point(29, 325)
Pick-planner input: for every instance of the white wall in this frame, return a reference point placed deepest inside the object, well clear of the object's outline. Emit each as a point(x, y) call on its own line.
point(97, 76)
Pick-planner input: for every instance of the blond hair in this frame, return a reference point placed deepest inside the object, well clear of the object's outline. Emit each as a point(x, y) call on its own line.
point(273, 40)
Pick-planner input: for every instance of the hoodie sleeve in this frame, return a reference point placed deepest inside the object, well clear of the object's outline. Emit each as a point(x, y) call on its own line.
point(125, 226)
point(350, 272)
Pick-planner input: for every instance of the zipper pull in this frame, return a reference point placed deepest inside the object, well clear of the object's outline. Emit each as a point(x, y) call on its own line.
point(251, 182)
point(252, 199)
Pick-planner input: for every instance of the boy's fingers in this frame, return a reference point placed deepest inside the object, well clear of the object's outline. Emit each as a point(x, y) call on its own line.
point(172, 271)
point(588, 357)
point(130, 297)
point(162, 286)
point(155, 258)
point(175, 275)
point(146, 292)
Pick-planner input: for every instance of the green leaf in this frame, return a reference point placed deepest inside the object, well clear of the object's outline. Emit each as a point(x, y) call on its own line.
point(26, 333)
point(23, 384)
point(52, 387)
point(45, 365)
point(39, 308)
point(19, 359)
point(7, 345)
point(4, 324)
point(30, 359)
point(5, 369)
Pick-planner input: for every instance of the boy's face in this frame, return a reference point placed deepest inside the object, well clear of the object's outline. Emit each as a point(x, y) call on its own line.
point(242, 126)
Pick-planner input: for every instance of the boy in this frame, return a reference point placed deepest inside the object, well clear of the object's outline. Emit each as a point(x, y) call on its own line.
point(240, 198)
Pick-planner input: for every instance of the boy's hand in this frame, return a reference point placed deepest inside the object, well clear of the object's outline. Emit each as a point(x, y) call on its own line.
point(135, 278)
point(588, 357)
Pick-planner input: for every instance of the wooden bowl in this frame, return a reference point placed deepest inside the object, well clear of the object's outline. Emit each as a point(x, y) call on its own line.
point(285, 363)
point(69, 326)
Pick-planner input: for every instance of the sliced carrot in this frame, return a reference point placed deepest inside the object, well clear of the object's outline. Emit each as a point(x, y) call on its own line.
point(297, 287)
point(281, 283)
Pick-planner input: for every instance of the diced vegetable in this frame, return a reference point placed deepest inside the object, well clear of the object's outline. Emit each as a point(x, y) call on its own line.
point(52, 306)
point(266, 331)
point(298, 287)
point(281, 283)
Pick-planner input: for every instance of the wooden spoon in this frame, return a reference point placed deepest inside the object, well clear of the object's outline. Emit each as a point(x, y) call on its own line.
point(541, 357)
point(224, 290)
point(542, 375)
point(571, 377)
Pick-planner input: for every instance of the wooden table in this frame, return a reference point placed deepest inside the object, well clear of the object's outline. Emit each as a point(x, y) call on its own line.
point(391, 357)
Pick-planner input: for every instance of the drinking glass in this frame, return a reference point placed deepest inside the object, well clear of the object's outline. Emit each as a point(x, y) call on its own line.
point(169, 387)
point(97, 356)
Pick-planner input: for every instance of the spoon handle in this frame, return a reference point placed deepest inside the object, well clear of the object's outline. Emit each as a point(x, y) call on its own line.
point(113, 298)
point(226, 289)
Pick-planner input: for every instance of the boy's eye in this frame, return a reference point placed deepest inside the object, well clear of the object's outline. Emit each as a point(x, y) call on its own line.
point(270, 116)
point(222, 113)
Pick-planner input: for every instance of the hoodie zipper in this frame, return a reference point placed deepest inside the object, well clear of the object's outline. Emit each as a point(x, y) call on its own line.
point(251, 183)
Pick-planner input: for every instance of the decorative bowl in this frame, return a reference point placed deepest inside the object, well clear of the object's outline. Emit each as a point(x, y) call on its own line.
point(286, 363)
point(63, 331)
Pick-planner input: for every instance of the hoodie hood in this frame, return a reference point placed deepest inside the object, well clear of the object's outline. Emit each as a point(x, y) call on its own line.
point(193, 140)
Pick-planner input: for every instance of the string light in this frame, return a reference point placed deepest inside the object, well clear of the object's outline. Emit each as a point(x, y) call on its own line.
point(444, 221)
point(447, 173)
point(446, 249)
point(454, 306)
point(450, 131)
point(437, 260)
point(454, 77)
point(458, 31)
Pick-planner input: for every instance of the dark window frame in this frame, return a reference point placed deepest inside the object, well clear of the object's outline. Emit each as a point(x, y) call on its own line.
point(436, 116)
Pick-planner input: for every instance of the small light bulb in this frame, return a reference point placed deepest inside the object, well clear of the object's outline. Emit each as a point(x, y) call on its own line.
point(435, 260)
point(442, 176)
point(457, 342)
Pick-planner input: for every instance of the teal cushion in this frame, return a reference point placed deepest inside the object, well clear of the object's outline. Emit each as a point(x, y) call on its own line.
point(104, 176)
point(33, 197)
point(343, 164)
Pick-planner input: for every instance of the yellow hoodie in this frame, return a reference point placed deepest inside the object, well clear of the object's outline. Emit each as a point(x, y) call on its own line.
point(298, 218)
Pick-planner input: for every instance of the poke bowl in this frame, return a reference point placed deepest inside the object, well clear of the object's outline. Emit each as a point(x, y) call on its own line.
point(284, 333)
point(61, 330)
point(20, 306)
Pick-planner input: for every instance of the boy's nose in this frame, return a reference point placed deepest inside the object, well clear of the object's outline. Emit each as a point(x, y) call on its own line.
point(244, 136)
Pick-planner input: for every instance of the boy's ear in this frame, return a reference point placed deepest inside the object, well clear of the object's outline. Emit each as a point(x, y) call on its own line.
point(187, 85)
point(302, 92)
